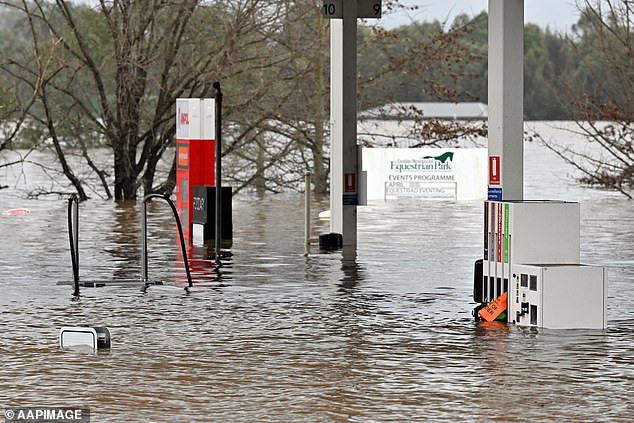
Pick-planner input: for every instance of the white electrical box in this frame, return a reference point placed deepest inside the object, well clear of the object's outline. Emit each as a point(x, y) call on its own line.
point(520, 232)
point(558, 296)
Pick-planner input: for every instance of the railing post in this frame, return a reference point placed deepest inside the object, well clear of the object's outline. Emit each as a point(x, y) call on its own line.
point(306, 212)
point(144, 260)
point(73, 238)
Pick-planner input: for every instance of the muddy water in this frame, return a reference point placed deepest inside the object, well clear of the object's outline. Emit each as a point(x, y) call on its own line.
point(381, 333)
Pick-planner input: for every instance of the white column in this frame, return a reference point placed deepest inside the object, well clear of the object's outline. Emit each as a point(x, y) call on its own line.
point(343, 119)
point(506, 95)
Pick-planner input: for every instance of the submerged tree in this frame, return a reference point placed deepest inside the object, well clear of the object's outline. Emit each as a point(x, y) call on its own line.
point(109, 75)
point(118, 69)
point(15, 101)
point(603, 99)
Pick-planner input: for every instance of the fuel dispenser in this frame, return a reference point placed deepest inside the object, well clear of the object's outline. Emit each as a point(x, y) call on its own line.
point(532, 253)
point(195, 171)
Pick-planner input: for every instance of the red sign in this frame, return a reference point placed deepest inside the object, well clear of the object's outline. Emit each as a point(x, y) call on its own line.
point(350, 182)
point(494, 170)
point(184, 118)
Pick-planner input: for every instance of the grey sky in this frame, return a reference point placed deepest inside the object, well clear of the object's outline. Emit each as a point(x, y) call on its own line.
point(558, 14)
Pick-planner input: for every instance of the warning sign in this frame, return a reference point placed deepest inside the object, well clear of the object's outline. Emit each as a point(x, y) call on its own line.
point(182, 156)
point(350, 183)
point(494, 308)
point(494, 170)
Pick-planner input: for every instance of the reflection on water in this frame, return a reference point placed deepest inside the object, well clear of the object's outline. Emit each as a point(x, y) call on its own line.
point(123, 244)
point(380, 333)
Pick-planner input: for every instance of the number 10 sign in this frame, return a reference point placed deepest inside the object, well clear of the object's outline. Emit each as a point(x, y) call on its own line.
point(333, 9)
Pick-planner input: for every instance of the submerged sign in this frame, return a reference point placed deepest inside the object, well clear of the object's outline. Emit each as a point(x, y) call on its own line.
point(430, 174)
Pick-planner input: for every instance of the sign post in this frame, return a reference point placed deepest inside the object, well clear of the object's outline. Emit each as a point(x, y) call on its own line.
point(218, 176)
point(343, 111)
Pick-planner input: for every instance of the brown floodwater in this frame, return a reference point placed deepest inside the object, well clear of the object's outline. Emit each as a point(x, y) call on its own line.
point(381, 333)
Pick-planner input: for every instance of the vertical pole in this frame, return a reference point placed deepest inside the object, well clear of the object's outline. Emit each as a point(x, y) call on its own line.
point(343, 116)
point(506, 97)
point(306, 212)
point(76, 231)
point(144, 241)
point(218, 135)
point(73, 238)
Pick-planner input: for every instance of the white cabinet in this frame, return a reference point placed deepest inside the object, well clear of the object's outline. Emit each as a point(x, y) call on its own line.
point(558, 296)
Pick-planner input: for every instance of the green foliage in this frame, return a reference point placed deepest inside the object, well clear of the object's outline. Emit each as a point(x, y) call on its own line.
point(557, 68)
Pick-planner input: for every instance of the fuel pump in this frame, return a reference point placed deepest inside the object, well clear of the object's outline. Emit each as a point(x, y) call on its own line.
point(195, 153)
point(195, 171)
point(532, 255)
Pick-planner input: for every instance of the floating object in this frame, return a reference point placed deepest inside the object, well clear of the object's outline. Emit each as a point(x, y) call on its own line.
point(94, 337)
point(17, 212)
point(324, 215)
point(491, 311)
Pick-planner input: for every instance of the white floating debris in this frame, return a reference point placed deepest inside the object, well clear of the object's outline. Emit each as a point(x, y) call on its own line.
point(325, 215)
point(94, 337)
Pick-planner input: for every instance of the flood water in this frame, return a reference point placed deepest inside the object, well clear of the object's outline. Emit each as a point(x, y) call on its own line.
point(383, 333)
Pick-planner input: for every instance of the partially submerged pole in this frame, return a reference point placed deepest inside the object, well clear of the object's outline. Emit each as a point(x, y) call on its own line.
point(218, 135)
point(306, 212)
point(73, 237)
point(144, 260)
point(343, 117)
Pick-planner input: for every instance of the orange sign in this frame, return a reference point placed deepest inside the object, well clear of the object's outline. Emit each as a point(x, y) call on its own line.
point(182, 152)
point(494, 308)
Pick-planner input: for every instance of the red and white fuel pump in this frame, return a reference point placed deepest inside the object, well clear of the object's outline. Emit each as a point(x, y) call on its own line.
point(195, 153)
point(195, 171)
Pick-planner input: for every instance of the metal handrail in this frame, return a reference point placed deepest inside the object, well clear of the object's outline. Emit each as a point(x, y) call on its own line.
point(180, 233)
point(73, 238)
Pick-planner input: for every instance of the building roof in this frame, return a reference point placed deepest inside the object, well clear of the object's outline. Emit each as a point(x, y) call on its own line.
point(440, 110)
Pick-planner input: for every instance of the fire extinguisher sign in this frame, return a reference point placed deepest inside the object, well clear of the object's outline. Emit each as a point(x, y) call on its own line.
point(494, 170)
point(350, 183)
point(350, 189)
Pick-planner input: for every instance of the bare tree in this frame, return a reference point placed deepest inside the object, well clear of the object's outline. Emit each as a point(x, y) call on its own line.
point(110, 75)
point(603, 94)
point(13, 109)
point(120, 67)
